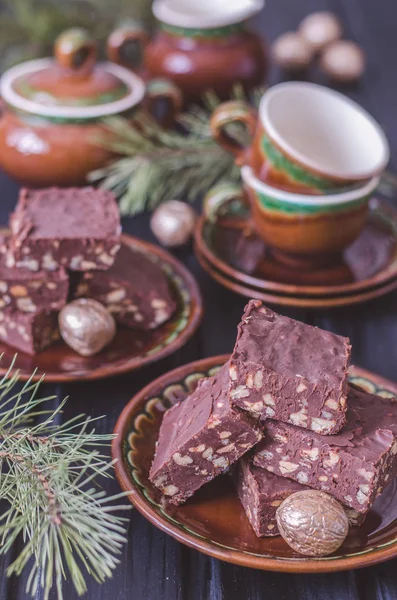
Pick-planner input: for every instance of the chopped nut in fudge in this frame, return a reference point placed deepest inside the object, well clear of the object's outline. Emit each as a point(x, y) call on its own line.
point(354, 466)
point(134, 289)
point(199, 438)
point(261, 493)
point(285, 370)
point(75, 228)
point(30, 332)
point(28, 291)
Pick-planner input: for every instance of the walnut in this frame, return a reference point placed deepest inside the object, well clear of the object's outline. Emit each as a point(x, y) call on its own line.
point(312, 523)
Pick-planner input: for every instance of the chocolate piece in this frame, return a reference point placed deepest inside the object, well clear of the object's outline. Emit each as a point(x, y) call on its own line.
point(354, 465)
point(77, 228)
point(288, 371)
point(29, 332)
point(27, 291)
point(261, 493)
point(199, 438)
point(134, 289)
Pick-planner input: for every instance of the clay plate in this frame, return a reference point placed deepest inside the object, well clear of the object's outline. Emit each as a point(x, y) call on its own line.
point(130, 349)
point(297, 301)
point(213, 521)
point(371, 261)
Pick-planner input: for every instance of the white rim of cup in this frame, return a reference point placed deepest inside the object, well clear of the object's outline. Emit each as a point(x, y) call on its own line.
point(10, 96)
point(166, 12)
point(284, 145)
point(330, 199)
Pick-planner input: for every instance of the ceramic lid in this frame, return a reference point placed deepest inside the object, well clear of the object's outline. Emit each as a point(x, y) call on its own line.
point(73, 85)
point(205, 14)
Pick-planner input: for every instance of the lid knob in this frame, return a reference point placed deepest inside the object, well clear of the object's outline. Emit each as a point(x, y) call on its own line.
point(76, 50)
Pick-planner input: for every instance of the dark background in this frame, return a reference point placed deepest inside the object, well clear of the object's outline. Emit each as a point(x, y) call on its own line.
point(153, 565)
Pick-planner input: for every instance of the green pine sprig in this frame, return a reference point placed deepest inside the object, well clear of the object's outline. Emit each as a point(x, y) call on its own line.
point(50, 478)
point(158, 164)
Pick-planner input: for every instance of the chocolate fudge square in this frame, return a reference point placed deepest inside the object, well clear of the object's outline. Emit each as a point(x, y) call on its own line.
point(75, 228)
point(134, 289)
point(285, 370)
point(354, 466)
point(199, 438)
point(261, 493)
point(28, 291)
point(30, 332)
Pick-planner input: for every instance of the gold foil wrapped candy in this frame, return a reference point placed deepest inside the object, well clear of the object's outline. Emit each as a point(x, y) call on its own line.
point(86, 326)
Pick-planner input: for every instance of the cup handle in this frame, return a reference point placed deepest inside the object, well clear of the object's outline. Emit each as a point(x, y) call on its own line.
point(225, 198)
point(126, 44)
point(163, 100)
point(230, 113)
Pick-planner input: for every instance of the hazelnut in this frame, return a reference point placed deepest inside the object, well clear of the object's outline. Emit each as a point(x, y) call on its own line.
point(291, 52)
point(320, 29)
point(343, 61)
point(312, 523)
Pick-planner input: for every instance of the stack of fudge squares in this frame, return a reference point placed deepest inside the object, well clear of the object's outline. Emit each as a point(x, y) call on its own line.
point(65, 243)
point(282, 414)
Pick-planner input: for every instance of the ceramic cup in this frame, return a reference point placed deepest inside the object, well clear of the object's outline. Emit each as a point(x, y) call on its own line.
point(306, 139)
point(303, 229)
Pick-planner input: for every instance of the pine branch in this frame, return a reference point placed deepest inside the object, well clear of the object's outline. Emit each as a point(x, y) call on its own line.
point(49, 476)
point(156, 164)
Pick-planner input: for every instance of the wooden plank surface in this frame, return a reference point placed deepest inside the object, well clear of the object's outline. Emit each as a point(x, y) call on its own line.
point(154, 566)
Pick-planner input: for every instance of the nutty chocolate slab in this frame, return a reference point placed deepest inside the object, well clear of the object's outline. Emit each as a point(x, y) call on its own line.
point(285, 370)
point(134, 289)
point(28, 291)
point(261, 493)
point(199, 438)
point(75, 228)
point(354, 466)
point(30, 332)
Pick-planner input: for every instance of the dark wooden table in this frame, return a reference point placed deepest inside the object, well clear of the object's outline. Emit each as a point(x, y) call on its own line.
point(154, 566)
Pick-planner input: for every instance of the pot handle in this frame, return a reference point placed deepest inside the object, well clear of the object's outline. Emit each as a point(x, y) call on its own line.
point(226, 201)
point(163, 100)
point(75, 50)
point(229, 113)
point(126, 44)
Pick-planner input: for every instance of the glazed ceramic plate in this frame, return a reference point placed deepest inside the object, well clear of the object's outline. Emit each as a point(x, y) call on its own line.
point(371, 261)
point(130, 349)
point(297, 301)
point(213, 521)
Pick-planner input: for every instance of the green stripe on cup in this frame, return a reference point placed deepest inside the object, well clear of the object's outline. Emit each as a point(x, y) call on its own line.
point(273, 205)
point(281, 163)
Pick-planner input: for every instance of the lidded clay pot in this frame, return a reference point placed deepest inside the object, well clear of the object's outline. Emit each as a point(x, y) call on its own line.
point(53, 111)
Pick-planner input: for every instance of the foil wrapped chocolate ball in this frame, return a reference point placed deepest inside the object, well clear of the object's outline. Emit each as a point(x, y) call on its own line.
point(312, 523)
point(173, 223)
point(86, 326)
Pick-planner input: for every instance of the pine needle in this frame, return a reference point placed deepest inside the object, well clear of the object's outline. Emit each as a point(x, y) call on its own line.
point(49, 476)
point(157, 164)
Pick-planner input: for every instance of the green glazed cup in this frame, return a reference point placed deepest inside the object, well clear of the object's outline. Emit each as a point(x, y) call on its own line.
point(307, 139)
point(303, 229)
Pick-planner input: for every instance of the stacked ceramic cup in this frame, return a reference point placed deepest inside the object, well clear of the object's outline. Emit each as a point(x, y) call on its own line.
point(313, 164)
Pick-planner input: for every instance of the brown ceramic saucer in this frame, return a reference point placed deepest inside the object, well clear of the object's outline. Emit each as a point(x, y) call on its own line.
point(130, 349)
point(369, 262)
point(297, 301)
point(213, 521)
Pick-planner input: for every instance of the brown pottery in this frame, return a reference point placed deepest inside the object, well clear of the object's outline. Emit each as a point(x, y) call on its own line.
point(202, 46)
point(213, 520)
point(53, 112)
